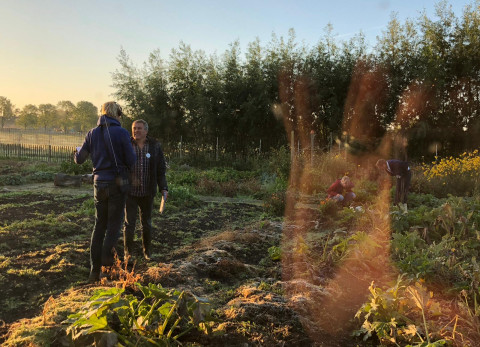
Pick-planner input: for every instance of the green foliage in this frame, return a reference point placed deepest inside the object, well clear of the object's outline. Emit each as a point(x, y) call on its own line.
point(365, 191)
point(279, 162)
point(439, 243)
point(360, 241)
point(331, 166)
point(220, 181)
point(12, 180)
point(398, 315)
point(180, 197)
point(158, 317)
point(274, 204)
point(329, 208)
point(40, 176)
point(71, 168)
point(183, 176)
point(275, 253)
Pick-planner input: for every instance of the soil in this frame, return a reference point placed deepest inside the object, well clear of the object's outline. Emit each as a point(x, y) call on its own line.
point(218, 250)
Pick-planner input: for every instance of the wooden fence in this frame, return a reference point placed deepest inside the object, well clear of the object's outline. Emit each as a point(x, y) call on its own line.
point(48, 153)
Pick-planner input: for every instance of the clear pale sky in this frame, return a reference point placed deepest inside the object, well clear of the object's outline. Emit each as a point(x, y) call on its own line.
point(53, 50)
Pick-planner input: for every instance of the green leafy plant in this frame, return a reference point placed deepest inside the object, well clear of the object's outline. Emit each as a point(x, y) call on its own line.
point(275, 253)
point(180, 197)
point(71, 168)
point(275, 203)
point(12, 180)
point(160, 317)
point(40, 176)
point(398, 316)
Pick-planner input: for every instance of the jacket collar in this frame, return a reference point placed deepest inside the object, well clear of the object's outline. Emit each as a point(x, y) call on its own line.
point(106, 120)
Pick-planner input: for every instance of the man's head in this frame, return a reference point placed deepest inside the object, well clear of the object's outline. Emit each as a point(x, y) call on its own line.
point(111, 109)
point(139, 130)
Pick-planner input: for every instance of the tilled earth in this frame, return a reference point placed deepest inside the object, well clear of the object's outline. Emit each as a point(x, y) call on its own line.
point(218, 250)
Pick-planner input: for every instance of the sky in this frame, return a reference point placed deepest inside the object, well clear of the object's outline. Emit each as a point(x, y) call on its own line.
point(54, 50)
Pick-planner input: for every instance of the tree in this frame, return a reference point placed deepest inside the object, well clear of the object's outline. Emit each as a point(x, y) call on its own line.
point(186, 76)
point(28, 116)
point(47, 116)
point(85, 116)
point(129, 84)
point(233, 97)
point(66, 110)
point(6, 111)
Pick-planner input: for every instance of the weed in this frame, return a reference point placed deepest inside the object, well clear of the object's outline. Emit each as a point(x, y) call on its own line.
point(119, 271)
point(47, 307)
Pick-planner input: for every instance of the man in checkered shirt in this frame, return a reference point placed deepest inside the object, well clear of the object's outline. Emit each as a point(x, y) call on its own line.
point(148, 174)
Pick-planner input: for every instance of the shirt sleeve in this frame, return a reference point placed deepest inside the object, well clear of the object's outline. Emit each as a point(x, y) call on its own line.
point(84, 152)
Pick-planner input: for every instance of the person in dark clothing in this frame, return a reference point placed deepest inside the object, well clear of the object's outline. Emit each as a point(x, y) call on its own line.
point(147, 175)
point(113, 157)
point(401, 170)
point(341, 190)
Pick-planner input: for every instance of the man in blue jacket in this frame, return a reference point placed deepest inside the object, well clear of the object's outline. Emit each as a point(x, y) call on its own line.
point(113, 157)
point(401, 170)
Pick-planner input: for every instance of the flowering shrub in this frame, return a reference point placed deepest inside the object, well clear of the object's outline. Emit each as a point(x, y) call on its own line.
point(467, 164)
point(453, 175)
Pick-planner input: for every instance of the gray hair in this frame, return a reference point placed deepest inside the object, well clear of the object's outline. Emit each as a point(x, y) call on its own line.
point(145, 124)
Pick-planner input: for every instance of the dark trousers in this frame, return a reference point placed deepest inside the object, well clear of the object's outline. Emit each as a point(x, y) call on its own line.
point(401, 189)
point(109, 214)
point(145, 205)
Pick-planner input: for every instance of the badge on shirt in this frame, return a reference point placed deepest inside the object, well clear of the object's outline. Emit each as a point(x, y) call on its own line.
point(147, 155)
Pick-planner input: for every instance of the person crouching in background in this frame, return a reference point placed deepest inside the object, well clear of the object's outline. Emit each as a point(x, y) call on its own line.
point(341, 191)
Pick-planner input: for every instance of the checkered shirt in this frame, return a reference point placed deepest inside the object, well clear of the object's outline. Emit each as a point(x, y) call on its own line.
point(140, 171)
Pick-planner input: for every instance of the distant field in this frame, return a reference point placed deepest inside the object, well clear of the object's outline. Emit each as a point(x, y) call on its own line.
point(35, 137)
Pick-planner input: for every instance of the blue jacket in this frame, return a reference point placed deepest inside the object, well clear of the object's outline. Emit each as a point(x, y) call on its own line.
point(397, 168)
point(95, 146)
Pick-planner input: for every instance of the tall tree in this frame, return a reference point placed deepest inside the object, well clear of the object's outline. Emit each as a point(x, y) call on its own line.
point(28, 116)
point(6, 111)
point(156, 109)
point(85, 116)
point(186, 75)
point(47, 116)
point(66, 110)
point(128, 82)
point(232, 115)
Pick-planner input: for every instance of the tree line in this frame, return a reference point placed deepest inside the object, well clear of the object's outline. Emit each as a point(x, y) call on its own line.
point(420, 83)
point(65, 116)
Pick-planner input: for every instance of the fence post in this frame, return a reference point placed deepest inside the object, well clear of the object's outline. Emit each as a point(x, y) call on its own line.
point(180, 149)
point(216, 156)
point(312, 136)
point(292, 147)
